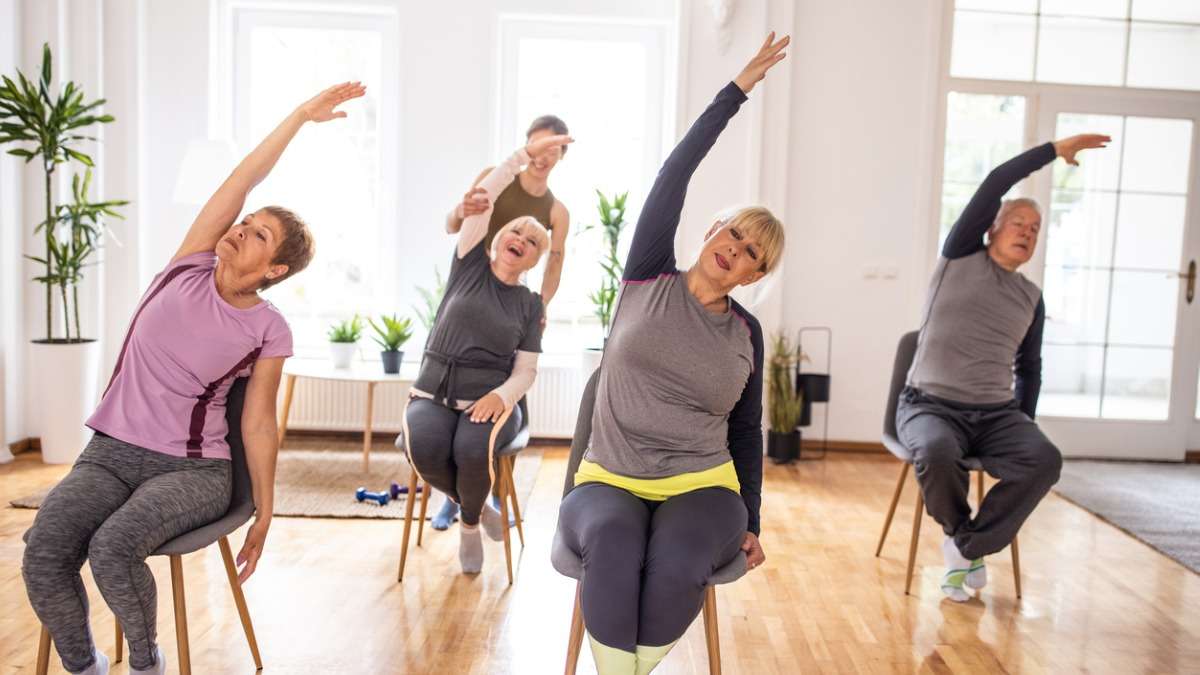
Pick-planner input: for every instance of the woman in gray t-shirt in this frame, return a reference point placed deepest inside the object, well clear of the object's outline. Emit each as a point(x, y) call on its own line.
point(480, 359)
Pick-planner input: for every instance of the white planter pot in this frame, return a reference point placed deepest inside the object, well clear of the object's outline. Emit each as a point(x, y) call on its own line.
point(590, 360)
point(68, 378)
point(343, 353)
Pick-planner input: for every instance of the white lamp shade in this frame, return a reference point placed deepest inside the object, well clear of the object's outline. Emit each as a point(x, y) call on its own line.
point(206, 165)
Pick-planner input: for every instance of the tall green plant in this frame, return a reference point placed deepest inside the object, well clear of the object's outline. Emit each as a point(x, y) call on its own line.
point(431, 299)
point(612, 222)
point(783, 401)
point(51, 125)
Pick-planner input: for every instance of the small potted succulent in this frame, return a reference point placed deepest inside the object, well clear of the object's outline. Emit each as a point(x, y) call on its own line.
point(343, 341)
point(392, 336)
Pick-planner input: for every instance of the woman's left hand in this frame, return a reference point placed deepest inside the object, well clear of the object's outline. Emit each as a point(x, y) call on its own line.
point(320, 108)
point(256, 538)
point(487, 409)
point(754, 551)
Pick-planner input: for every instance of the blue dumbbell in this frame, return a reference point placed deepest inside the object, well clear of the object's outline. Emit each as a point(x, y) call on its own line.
point(363, 494)
point(396, 490)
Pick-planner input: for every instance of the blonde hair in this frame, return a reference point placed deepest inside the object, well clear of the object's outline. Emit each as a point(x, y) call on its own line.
point(525, 225)
point(760, 224)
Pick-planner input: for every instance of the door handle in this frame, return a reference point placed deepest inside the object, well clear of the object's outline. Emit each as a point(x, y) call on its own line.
point(1190, 275)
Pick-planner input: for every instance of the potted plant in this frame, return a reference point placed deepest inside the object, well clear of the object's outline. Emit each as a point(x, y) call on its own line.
point(612, 222)
point(51, 123)
point(391, 337)
point(784, 402)
point(343, 341)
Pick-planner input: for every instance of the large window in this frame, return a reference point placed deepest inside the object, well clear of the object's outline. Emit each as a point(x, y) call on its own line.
point(335, 174)
point(610, 81)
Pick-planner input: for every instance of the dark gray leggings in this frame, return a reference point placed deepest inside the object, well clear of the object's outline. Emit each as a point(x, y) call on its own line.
point(451, 452)
point(118, 504)
point(646, 564)
point(1010, 446)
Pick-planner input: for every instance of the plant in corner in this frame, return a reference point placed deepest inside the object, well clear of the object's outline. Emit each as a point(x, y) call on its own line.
point(783, 400)
point(343, 340)
point(50, 124)
point(391, 337)
point(431, 300)
point(612, 223)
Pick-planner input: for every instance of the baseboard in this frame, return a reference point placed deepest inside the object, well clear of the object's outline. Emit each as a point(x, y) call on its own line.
point(30, 444)
point(1191, 457)
point(863, 447)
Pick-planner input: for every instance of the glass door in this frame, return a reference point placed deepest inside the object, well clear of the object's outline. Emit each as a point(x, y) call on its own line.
point(1120, 356)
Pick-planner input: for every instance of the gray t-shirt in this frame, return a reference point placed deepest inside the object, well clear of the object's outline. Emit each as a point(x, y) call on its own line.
point(671, 375)
point(976, 316)
point(481, 323)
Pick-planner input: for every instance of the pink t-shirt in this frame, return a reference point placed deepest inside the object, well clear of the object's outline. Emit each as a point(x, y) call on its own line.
point(182, 352)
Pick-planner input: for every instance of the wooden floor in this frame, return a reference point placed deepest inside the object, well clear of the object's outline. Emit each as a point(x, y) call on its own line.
point(325, 598)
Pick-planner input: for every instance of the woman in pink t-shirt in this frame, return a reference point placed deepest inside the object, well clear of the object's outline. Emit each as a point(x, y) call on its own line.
point(158, 464)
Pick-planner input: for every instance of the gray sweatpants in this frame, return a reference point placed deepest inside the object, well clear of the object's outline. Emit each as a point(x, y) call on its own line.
point(451, 452)
point(646, 564)
point(118, 503)
point(1010, 446)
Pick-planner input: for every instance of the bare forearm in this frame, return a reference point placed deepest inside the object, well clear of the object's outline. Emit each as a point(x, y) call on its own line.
point(262, 449)
point(453, 221)
point(552, 277)
point(258, 164)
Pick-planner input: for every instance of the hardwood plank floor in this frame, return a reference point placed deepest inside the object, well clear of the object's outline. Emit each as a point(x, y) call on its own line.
point(325, 600)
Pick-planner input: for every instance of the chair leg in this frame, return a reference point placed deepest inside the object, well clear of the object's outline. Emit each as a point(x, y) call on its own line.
point(120, 648)
point(979, 481)
point(1016, 557)
point(504, 522)
point(711, 636)
point(43, 656)
point(181, 631)
point(512, 495)
point(408, 518)
point(424, 506)
point(575, 638)
point(887, 522)
point(912, 545)
point(239, 599)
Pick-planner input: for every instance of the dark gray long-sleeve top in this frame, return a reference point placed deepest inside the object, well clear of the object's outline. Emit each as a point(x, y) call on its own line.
point(982, 325)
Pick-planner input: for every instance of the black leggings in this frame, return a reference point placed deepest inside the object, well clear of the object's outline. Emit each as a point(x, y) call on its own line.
point(450, 452)
point(646, 563)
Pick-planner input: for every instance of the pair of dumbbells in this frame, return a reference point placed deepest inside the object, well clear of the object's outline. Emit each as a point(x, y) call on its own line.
point(362, 494)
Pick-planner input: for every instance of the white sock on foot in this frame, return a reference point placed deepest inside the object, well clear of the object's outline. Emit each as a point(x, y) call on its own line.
point(956, 572)
point(976, 575)
point(492, 522)
point(470, 549)
point(159, 667)
point(99, 665)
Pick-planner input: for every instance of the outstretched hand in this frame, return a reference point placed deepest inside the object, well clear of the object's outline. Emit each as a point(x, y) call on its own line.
point(320, 108)
point(543, 145)
point(768, 55)
point(1068, 147)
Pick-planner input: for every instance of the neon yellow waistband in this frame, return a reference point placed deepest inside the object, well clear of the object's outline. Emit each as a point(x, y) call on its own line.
point(659, 489)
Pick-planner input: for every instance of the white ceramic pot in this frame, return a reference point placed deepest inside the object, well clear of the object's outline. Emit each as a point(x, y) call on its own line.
point(343, 353)
point(68, 378)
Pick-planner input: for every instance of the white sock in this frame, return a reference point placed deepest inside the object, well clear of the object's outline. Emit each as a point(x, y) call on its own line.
point(976, 575)
point(470, 549)
point(956, 572)
point(159, 667)
point(99, 665)
point(492, 522)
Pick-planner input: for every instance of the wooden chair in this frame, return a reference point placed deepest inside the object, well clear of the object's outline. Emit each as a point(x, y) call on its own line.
point(241, 507)
point(504, 488)
point(904, 358)
point(571, 565)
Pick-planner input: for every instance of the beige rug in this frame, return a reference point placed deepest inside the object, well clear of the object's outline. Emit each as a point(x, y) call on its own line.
point(321, 483)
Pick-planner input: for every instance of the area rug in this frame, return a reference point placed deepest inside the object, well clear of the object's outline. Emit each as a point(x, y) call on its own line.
point(1156, 502)
point(321, 484)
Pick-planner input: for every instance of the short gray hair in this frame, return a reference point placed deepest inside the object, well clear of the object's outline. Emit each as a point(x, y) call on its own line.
point(1007, 206)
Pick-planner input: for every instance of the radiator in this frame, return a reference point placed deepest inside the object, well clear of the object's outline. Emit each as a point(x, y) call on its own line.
point(328, 405)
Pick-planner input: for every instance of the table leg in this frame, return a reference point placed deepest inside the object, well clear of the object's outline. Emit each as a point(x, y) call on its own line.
point(367, 430)
point(287, 407)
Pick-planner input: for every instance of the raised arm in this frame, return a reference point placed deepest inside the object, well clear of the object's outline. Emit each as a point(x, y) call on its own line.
point(966, 237)
point(560, 227)
point(473, 202)
point(223, 208)
point(475, 227)
point(1028, 370)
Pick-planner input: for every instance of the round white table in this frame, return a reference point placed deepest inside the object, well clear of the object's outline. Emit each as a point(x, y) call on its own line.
point(367, 373)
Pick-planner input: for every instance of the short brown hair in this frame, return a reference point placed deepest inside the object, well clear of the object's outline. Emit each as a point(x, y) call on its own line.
point(551, 122)
point(296, 249)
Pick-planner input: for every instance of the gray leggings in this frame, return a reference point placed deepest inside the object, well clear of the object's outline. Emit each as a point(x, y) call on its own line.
point(118, 504)
point(646, 564)
point(451, 452)
point(1010, 446)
